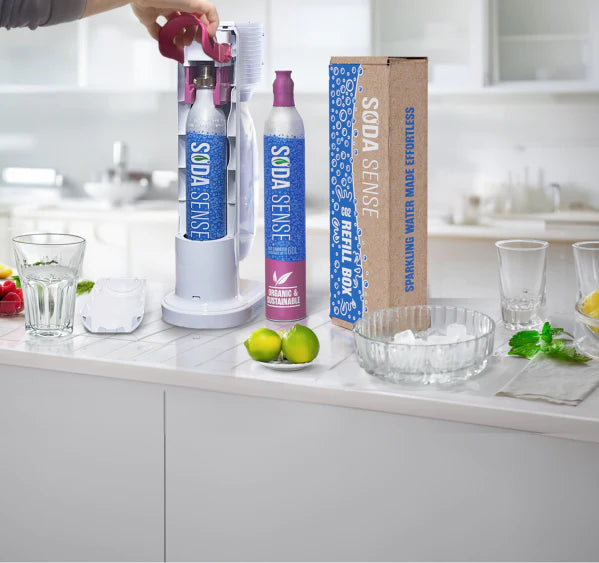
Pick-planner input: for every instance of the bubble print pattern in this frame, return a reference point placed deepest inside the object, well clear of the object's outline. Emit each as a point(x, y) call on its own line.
point(346, 291)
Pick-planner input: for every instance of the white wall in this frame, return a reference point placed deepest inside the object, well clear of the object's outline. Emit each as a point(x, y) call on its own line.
point(470, 138)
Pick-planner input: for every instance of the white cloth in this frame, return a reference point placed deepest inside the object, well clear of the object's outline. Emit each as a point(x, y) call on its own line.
point(544, 379)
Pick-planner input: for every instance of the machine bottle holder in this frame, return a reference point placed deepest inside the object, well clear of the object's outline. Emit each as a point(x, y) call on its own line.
point(209, 292)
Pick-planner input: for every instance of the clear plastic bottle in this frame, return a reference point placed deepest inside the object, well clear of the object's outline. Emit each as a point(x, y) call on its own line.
point(284, 206)
point(206, 162)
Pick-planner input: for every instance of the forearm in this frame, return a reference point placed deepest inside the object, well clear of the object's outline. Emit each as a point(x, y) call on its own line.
point(97, 6)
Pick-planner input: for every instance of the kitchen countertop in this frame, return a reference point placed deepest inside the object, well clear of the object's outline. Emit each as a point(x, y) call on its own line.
point(545, 227)
point(216, 360)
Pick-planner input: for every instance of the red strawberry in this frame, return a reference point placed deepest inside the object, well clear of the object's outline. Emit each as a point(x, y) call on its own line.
point(10, 303)
point(8, 287)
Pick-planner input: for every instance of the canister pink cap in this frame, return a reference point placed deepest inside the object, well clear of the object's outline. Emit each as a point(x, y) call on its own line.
point(282, 88)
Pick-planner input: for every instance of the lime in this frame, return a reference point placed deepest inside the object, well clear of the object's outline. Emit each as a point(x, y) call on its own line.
point(263, 345)
point(300, 344)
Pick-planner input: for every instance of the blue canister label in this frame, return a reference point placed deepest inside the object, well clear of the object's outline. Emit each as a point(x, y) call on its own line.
point(284, 199)
point(206, 207)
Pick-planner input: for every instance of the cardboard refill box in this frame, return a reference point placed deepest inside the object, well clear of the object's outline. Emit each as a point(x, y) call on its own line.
point(378, 163)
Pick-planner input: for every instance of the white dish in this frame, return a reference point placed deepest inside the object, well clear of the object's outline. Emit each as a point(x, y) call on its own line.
point(115, 305)
point(284, 366)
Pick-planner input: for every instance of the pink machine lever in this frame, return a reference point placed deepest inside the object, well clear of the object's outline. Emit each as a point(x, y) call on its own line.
point(220, 52)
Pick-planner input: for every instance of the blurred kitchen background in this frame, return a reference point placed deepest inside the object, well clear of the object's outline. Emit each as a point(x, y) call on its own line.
point(513, 127)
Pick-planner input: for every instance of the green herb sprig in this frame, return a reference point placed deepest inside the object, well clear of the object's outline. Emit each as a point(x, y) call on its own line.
point(84, 286)
point(529, 343)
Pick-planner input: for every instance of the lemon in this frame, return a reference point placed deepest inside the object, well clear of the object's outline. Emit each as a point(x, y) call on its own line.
point(263, 345)
point(591, 302)
point(590, 307)
point(5, 272)
point(300, 344)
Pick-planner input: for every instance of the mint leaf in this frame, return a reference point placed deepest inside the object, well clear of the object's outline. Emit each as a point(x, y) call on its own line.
point(547, 333)
point(523, 338)
point(527, 351)
point(17, 280)
point(565, 353)
point(529, 343)
point(84, 286)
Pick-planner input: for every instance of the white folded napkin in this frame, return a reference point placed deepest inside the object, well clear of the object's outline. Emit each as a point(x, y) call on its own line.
point(544, 379)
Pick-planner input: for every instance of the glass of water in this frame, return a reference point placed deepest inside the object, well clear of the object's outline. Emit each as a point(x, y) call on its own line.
point(49, 265)
point(522, 277)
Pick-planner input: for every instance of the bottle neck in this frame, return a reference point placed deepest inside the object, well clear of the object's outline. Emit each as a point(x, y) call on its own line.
point(205, 94)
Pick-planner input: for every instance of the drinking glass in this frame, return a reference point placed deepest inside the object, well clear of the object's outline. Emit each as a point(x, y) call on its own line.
point(49, 265)
point(586, 262)
point(522, 276)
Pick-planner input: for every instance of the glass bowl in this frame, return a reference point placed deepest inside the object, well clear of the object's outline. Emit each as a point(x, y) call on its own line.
point(423, 362)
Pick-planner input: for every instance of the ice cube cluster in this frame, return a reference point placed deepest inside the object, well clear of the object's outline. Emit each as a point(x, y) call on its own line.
point(428, 351)
point(454, 333)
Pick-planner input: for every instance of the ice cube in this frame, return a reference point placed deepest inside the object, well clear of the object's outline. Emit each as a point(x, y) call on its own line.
point(404, 337)
point(457, 332)
point(435, 339)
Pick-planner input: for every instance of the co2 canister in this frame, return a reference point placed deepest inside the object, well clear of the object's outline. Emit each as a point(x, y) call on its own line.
point(284, 206)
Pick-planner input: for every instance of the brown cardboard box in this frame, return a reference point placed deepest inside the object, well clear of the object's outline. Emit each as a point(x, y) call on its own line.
point(378, 165)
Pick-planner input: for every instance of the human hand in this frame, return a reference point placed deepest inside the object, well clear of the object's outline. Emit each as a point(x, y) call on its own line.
point(148, 11)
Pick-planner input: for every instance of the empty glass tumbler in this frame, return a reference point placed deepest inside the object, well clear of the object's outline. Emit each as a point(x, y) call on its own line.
point(49, 265)
point(522, 277)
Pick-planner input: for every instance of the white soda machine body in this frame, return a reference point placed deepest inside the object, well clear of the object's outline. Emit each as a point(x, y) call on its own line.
point(209, 292)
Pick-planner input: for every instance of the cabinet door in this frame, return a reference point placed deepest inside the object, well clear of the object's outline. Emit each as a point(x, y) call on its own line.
point(450, 34)
point(254, 479)
point(544, 41)
point(81, 468)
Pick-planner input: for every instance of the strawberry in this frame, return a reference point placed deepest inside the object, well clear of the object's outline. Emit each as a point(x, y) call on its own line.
point(10, 303)
point(9, 287)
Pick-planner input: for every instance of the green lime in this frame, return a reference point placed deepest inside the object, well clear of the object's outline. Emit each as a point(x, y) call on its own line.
point(300, 344)
point(263, 345)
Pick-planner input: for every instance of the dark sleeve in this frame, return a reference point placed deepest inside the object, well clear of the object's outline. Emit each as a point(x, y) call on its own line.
point(33, 13)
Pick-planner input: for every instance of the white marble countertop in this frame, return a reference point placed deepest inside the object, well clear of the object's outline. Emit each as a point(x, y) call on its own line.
point(216, 360)
point(531, 226)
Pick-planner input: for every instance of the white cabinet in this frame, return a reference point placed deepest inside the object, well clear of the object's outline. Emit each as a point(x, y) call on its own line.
point(138, 240)
point(257, 479)
point(495, 46)
point(451, 34)
point(545, 41)
point(81, 468)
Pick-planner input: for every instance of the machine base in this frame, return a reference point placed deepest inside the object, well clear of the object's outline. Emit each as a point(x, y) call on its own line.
point(227, 313)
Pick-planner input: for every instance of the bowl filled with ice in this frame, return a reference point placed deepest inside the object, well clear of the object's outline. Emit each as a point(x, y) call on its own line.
point(424, 343)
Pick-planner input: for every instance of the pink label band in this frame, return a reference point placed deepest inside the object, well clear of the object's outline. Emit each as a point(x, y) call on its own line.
point(285, 290)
